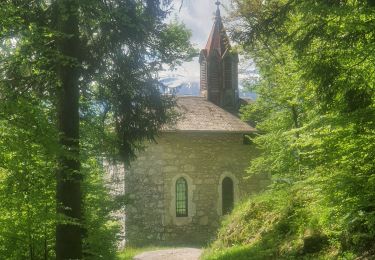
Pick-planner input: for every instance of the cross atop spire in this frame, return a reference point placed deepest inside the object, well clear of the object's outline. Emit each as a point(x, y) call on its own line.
point(218, 39)
point(217, 9)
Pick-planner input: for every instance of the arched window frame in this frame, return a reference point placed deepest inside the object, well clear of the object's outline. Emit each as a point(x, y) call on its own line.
point(171, 217)
point(182, 197)
point(226, 209)
point(220, 191)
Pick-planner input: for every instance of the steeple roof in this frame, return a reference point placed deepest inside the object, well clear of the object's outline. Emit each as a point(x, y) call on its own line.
point(218, 39)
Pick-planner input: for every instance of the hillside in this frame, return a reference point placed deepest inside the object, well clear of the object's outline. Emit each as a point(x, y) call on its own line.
point(314, 111)
point(289, 222)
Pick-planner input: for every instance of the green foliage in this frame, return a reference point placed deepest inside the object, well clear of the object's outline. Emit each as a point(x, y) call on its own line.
point(315, 111)
point(28, 147)
point(102, 228)
point(26, 180)
point(285, 223)
point(122, 46)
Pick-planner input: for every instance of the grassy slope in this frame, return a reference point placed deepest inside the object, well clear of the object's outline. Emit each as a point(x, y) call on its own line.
point(287, 223)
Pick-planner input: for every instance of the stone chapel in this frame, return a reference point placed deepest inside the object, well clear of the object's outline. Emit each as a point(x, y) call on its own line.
point(181, 186)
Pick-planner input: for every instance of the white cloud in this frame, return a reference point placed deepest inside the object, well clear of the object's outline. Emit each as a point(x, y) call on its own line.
point(198, 16)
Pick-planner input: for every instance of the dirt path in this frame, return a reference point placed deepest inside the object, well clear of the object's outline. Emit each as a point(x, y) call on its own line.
point(171, 254)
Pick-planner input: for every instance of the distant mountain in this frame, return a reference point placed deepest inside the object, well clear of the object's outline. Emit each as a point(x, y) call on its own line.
point(180, 86)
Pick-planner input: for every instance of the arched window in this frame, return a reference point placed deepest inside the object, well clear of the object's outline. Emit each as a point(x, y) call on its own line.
point(227, 195)
point(181, 198)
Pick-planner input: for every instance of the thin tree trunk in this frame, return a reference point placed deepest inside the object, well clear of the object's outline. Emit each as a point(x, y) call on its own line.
point(45, 244)
point(297, 125)
point(68, 193)
point(295, 118)
point(45, 234)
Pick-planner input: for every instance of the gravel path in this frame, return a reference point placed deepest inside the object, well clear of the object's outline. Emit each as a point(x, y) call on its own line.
point(171, 254)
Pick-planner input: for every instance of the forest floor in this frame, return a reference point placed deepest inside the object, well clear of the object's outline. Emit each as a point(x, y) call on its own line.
point(171, 254)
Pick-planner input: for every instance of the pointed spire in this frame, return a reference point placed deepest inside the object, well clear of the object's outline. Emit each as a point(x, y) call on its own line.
point(217, 3)
point(218, 39)
point(219, 68)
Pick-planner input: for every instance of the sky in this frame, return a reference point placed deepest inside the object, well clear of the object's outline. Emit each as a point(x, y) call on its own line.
point(198, 16)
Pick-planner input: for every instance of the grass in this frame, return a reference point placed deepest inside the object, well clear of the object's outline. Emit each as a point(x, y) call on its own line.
point(277, 224)
point(239, 252)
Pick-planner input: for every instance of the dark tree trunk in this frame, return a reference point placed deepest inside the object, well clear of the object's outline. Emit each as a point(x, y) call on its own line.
point(68, 193)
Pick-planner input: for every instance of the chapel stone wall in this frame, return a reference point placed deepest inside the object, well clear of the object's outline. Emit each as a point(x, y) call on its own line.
point(203, 159)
